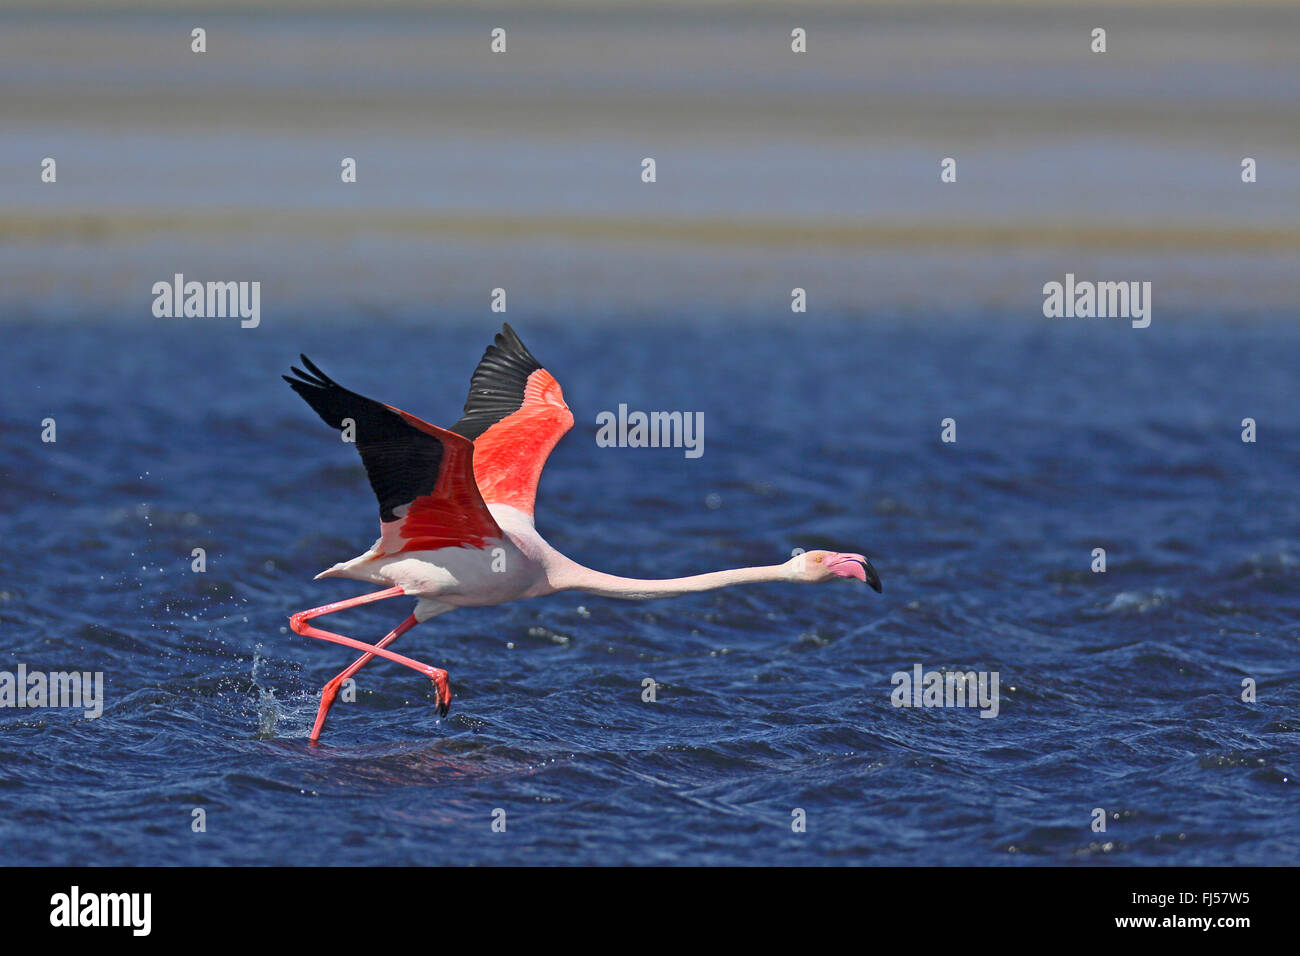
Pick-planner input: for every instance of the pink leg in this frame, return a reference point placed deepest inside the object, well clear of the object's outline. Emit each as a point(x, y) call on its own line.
point(299, 624)
point(330, 691)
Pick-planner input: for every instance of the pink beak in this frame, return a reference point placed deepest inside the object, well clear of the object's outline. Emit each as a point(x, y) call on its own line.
point(855, 566)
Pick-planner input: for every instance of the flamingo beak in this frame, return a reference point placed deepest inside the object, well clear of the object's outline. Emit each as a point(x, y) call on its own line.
point(855, 566)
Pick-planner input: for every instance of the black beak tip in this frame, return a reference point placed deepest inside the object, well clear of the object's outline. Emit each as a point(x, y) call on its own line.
point(873, 578)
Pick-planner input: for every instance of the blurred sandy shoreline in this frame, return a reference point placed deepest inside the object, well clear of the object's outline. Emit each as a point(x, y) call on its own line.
point(774, 169)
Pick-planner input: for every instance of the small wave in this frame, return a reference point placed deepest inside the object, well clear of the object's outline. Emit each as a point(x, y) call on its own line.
point(1138, 602)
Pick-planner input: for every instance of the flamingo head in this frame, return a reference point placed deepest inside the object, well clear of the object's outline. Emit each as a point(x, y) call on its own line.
point(814, 566)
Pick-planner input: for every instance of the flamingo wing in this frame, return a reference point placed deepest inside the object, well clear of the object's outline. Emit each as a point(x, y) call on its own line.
point(515, 415)
point(422, 475)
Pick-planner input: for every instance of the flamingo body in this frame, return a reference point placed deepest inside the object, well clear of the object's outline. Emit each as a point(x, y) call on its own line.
point(502, 569)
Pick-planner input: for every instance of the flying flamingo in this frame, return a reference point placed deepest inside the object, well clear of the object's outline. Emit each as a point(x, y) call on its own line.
point(456, 510)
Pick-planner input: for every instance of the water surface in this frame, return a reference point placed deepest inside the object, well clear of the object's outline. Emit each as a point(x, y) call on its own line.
point(1119, 690)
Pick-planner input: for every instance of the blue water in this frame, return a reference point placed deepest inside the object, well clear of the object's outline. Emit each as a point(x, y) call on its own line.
point(1118, 690)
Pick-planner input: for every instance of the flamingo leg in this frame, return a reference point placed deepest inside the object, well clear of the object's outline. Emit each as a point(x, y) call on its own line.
point(330, 690)
point(299, 624)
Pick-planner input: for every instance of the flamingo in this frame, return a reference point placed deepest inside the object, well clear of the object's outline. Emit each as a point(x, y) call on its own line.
point(456, 510)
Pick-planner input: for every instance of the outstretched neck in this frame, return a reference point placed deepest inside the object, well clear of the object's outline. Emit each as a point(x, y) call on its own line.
point(571, 576)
